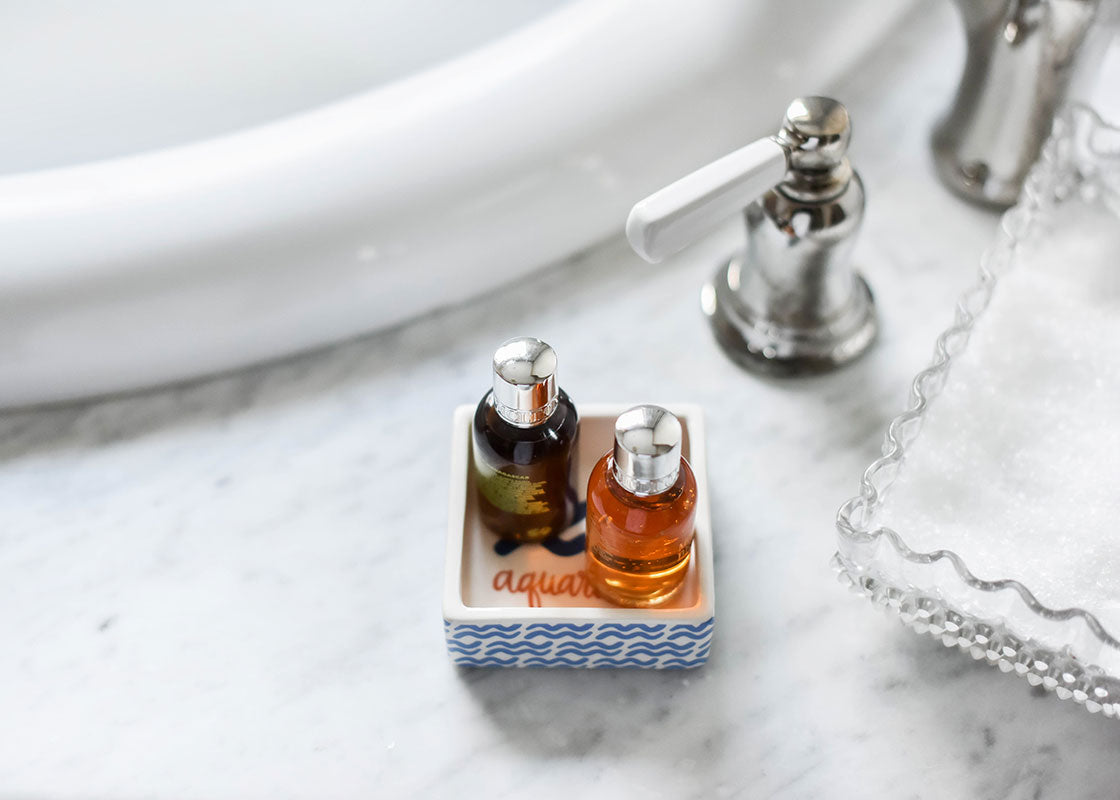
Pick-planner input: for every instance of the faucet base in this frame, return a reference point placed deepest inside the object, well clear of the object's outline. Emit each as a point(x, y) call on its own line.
point(761, 345)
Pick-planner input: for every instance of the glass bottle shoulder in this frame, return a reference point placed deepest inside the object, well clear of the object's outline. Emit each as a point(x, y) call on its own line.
point(555, 433)
point(680, 496)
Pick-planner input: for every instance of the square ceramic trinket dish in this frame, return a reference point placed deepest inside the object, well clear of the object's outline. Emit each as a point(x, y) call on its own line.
point(508, 605)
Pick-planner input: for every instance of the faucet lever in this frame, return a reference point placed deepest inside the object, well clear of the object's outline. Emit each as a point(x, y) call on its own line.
point(789, 303)
point(674, 217)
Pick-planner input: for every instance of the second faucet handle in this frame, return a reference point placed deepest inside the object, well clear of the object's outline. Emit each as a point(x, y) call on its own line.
point(790, 302)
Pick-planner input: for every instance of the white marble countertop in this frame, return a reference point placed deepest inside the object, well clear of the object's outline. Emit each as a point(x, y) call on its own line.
point(232, 589)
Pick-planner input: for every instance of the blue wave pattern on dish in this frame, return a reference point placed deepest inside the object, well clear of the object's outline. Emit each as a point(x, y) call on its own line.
point(666, 645)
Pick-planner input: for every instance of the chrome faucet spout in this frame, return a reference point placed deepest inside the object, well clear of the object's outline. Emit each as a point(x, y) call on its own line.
point(1020, 57)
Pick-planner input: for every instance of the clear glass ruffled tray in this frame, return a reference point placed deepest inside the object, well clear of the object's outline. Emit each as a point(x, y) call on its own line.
point(995, 613)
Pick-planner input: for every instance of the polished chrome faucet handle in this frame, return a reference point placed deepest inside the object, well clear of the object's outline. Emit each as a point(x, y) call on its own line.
point(807, 154)
point(790, 302)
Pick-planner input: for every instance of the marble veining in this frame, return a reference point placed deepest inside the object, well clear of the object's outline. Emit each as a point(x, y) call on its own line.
point(231, 589)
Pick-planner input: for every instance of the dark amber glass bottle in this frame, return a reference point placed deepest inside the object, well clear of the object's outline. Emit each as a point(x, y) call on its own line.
point(641, 511)
point(525, 432)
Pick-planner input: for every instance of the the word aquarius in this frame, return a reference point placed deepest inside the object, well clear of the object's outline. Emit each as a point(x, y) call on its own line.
point(536, 584)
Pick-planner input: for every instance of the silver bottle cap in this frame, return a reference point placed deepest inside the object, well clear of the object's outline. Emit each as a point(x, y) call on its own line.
point(647, 450)
point(525, 391)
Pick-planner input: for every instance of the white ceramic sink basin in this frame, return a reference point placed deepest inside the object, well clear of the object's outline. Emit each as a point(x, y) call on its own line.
point(85, 82)
point(186, 192)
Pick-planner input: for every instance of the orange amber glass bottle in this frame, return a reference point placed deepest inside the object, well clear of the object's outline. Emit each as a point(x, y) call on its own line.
point(525, 432)
point(641, 511)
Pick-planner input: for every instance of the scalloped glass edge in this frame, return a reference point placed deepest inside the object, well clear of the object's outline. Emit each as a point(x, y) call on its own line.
point(1068, 650)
